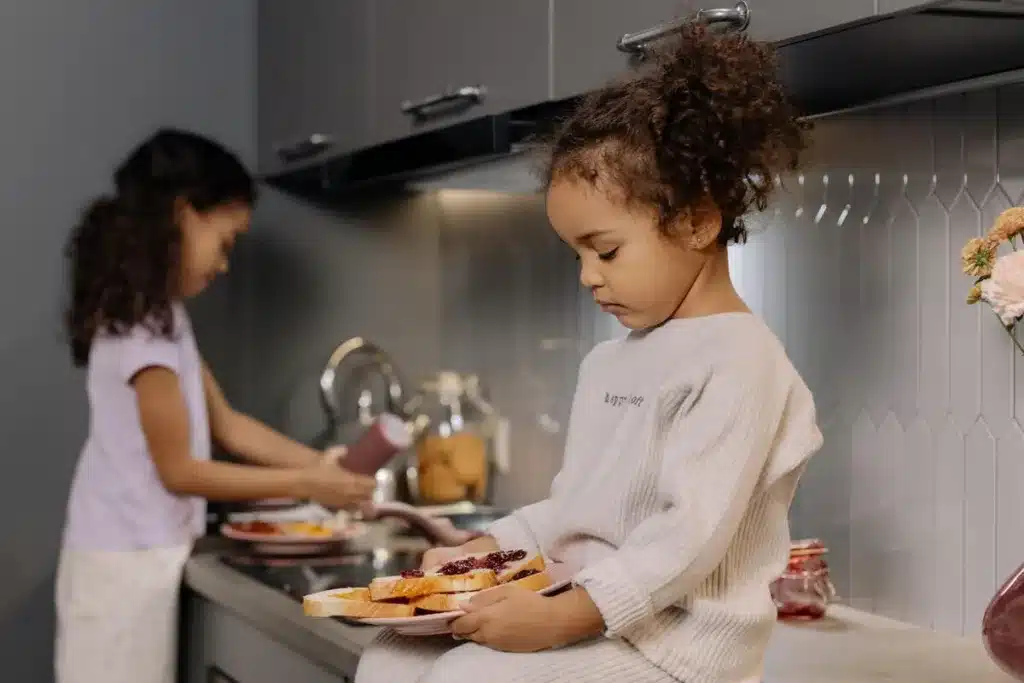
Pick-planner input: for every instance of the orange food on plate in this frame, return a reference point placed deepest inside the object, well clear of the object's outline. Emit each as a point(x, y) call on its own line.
point(306, 529)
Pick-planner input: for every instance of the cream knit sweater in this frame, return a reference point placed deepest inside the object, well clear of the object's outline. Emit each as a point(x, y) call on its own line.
point(684, 451)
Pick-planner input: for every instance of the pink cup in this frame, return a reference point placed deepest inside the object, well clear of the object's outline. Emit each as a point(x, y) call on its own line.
point(386, 437)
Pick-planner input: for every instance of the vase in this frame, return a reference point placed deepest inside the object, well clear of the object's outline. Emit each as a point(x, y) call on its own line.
point(1002, 627)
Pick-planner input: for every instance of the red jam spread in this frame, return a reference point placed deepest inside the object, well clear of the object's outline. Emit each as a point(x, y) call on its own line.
point(523, 574)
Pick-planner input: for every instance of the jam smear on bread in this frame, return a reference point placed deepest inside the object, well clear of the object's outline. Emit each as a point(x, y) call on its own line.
point(523, 574)
point(456, 567)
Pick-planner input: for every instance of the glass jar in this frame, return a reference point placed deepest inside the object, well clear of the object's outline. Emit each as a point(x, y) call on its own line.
point(455, 458)
point(805, 589)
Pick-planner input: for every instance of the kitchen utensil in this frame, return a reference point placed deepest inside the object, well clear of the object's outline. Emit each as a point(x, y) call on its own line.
point(371, 358)
point(437, 530)
point(465, 515)
point(387, 437)
point(358, 386)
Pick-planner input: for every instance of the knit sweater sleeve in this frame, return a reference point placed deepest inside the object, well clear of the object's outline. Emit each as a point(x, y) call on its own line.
point(520, 529)
point(714, 435)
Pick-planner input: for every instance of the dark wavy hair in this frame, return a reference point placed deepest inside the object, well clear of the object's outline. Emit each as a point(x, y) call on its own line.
point(124, 256)
point(705, 118)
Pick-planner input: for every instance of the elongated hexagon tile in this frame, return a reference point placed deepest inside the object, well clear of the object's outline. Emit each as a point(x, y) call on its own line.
point(906, 345)
point(949, 551)
point(933, 282)
point(916, 145)
point(917, 502)
point(801, 254)
point(876, 308)
point(864, 546)
point(948, 128)
point(964, 321)
point(979, 524)
point(980, 141)
point(891, 524)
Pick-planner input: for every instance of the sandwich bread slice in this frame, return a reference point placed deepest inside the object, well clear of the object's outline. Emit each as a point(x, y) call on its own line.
point(530, 579)
point(417, 584)
point(445, 588)
point(353, 603)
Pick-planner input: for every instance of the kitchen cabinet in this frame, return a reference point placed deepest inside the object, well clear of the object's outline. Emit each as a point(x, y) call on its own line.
point(313, 66)
point(436, 62)
point(220, 647)
point(586, 32)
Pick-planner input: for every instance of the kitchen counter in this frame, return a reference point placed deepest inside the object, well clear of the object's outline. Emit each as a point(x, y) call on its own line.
point(848, 646)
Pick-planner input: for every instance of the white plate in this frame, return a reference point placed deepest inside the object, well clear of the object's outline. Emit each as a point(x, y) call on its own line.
point(340, 535)
point(310, 512)
point(440, 623)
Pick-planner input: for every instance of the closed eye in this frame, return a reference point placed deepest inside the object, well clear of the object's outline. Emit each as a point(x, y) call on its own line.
point(608, 255)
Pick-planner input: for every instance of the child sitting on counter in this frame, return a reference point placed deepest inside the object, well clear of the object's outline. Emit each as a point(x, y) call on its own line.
point(688, 437)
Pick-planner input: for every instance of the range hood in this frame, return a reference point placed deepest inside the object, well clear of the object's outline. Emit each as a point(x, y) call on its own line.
point(942, 45)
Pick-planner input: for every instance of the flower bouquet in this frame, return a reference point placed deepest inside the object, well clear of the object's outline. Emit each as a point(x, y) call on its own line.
point(999, 282)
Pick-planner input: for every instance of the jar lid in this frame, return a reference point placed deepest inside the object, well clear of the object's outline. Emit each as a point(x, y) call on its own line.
point(807, 547)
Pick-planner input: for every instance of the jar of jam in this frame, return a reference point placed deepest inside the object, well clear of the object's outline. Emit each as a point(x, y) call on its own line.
point(805, 589)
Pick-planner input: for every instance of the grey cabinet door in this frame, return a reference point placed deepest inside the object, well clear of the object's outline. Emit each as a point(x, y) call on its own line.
point(426, 48)
point(220, 647)
point(313, 70)
point(586, 32)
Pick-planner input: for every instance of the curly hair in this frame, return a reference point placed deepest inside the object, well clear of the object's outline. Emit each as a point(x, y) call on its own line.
point(124, 256)
point(705, 119)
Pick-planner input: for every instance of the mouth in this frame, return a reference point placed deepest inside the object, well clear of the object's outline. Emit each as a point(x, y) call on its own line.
point(609, 307)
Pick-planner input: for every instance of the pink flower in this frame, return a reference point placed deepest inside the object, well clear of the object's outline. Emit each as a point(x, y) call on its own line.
point(1004, 291)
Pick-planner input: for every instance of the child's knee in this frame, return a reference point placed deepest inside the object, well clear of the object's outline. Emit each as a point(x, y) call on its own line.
point(467, 663)
point(392, 658)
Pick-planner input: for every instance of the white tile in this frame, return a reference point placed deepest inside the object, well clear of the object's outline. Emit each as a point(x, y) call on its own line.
point(948, 589)
point(979, 525)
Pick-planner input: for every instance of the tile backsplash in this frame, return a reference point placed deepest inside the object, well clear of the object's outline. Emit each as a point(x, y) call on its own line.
point(856, 267)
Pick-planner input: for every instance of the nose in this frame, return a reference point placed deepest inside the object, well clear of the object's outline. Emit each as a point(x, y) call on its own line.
point(590, 277)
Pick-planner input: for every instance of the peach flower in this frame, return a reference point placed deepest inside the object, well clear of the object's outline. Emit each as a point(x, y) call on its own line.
point(977, 257)
point(1009, 224)
point(1004, 291)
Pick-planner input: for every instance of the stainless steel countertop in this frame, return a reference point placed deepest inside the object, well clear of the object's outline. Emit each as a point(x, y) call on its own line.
point(848, 646)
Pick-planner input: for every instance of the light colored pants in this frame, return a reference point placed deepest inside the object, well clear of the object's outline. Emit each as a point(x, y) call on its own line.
point(396, 659)
point(117, 615)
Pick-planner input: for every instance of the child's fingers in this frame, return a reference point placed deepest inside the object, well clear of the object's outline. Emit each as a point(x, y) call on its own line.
point(467, 625)
point(487, 598)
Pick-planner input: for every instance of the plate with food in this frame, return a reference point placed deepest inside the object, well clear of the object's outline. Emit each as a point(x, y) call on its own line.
point(425, 603)
point(291, 536)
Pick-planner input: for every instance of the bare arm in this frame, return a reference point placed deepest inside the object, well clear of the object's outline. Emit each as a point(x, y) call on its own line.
point(249, 438)
point(165, 423)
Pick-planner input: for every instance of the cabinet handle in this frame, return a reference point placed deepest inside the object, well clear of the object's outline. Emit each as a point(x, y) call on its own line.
point(738, 18)
point(305, 148)
point(465, 96)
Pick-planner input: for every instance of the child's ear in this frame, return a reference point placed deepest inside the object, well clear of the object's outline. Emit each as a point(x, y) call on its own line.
point(705, 226)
